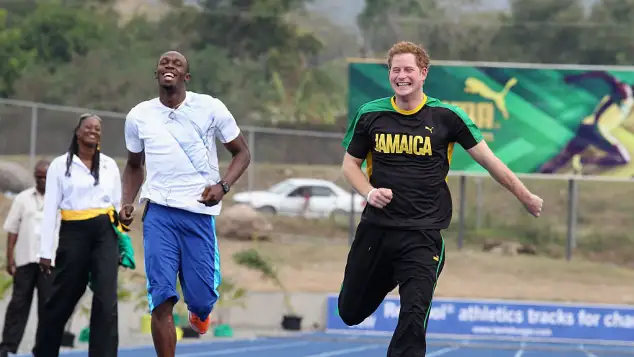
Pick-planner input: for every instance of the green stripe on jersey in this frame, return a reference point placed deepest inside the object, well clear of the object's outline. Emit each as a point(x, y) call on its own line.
point(377, 105)
point(473, 129)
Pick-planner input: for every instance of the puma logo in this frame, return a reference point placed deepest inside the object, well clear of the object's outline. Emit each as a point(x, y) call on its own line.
point(476, 86)
point(430, 129)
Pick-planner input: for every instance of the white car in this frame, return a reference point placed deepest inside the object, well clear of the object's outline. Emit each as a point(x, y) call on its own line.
point(288, 198)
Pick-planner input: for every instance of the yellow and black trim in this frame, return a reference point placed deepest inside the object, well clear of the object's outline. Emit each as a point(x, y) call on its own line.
point(409, 112)
point(449, 155)
point(81, 215)
point(441, 262)
point(368, 163)
point(125, 243)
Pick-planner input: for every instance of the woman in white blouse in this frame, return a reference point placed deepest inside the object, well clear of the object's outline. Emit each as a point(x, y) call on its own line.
point(85, 185)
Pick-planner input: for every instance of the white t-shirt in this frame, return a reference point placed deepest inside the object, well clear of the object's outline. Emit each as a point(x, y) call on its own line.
point(180, 148)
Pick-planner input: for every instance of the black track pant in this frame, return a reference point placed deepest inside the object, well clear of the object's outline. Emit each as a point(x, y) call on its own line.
point(381, 259)
point(85, 247)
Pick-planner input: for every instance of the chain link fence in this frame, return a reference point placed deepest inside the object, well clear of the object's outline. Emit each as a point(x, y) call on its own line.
point(36, 130)
point(484, 212)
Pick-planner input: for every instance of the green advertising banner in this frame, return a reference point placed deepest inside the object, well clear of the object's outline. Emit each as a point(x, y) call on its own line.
point(545, 120)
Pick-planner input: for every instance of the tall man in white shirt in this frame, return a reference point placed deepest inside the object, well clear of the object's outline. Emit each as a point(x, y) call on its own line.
point(175, 134)
point(23, 246)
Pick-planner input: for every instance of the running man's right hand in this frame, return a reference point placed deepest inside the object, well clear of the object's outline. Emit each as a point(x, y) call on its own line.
point(533, 204)
point(125, 215)
point(379, 197)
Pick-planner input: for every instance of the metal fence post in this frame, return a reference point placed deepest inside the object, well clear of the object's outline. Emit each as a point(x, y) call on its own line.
point(33, 138)
point(479, 203)
point(571, 242)
point(463, 204)
point(251, 169)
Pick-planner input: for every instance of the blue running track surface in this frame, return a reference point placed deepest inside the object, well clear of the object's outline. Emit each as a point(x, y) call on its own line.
point(325, 345)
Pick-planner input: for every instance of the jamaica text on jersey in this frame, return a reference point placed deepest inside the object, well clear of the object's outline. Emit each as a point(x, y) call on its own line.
point(410, 152)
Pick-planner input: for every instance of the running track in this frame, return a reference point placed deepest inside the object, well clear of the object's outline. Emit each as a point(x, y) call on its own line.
point(305, 346)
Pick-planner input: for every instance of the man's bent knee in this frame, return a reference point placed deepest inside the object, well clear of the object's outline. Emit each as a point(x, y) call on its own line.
point(349, 314)
point(200, 301)
point(202, 311)
point(351, 319)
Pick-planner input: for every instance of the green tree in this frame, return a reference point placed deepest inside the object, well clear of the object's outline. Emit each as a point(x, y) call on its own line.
point(239, 83)
point(446, 30)
point(58, 32)
point(317, 99)
point(542, 31)
point(252, 28)
point(126, 56)
point(13, 59)
point(382, 21)
point(121, 81)
point(608, 34)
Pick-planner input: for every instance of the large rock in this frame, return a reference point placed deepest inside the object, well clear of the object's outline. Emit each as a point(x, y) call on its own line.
point(508, 248)
point(14, 177)
point(242, 222)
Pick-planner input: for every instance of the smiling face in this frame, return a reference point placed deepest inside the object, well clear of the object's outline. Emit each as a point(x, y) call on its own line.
point(408, 66)
point(405, 75)
point(89, 131)
point(172, 70)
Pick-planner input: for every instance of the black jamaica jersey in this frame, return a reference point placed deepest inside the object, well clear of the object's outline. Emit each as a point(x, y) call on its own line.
point(409, 152)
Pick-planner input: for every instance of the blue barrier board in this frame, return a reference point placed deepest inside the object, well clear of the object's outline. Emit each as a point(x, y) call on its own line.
point(504, 319)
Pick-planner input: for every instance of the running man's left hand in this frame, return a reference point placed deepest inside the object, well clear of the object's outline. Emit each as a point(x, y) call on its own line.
point(533, 204)
point(212, 195)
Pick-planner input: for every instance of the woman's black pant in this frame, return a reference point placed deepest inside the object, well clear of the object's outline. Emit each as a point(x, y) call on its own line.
point(87, 249)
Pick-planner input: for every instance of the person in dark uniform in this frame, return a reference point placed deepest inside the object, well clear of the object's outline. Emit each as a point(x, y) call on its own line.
point(407, 141)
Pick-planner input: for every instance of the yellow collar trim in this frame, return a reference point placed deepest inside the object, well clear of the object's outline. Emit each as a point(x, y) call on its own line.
point(409, 112)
